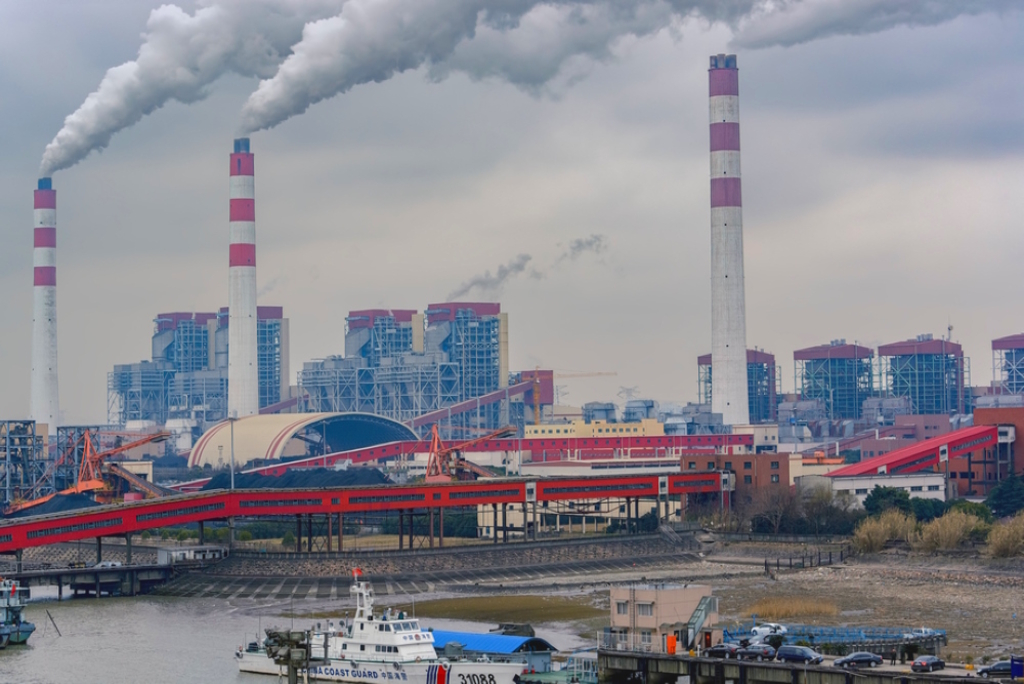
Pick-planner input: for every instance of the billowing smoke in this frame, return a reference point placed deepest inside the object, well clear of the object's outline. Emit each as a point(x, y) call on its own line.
point(180, 57)
point(492, 284)
point(311, 50)
point(595, 244)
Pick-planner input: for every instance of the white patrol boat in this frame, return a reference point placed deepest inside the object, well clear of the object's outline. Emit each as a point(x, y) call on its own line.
point(390, 647)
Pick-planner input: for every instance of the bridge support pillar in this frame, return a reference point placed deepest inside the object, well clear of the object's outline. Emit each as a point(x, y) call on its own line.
point(298, 534)
point(534, 521)
point(97, 585)
point(431, 528)
point(60, 588)
point(99, 553)
point(341, 532)
point(412, 518)
point(440, 528)
point(504, 523)
point(401, 529)
point(494, 527)
point(636, 512)
point(128, 549)
point(309, 533)
point(202, 533)
point(18, 556)
point(629, 516)
point(330, 531)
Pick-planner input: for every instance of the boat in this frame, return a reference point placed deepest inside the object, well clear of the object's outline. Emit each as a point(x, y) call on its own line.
point(14, 630)
point(390, 646)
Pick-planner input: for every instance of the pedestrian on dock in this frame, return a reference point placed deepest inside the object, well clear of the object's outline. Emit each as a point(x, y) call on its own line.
point(892, 656)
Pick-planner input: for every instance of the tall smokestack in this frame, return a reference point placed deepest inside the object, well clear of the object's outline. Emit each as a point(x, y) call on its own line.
point(243, 378)
point(44, 402)
point(728, 307)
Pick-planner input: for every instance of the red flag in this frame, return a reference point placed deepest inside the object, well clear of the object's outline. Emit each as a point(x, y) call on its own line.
point(356, 572)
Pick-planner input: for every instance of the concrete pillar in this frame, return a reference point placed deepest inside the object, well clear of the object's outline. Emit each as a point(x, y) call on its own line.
point(431, 528)
point(97, 585)
point(534, 521)
point(412, 519)
point(494, 527)
point(17, 556)
point(341, 532)
point(504, 523)
point(128, 549)
point(440, 528)
point(330, 531)
point(298, 534)
point(231, 532)
point(401, 528)
point(99, 550)
point(309, 533)
point(60, 587)
point(202, 533)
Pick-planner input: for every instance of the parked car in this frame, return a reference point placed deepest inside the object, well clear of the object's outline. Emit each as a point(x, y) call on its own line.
point(726, 650)
point(108, 564)
point(999, 669)
point(756, 652)
point(920, 633)
point(859, 659)
point(798, 654)
point(766, 628)
point(927, 663)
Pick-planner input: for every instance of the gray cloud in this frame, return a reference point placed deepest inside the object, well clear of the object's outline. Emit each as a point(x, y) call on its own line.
point(492, 284)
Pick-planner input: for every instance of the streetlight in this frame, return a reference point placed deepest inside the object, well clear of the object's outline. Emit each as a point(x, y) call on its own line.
point(231, 521)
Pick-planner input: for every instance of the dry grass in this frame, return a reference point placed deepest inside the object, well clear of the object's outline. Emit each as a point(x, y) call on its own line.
point(1006, 540)
point(892, 525)
point(948, 532)
point(783, 608)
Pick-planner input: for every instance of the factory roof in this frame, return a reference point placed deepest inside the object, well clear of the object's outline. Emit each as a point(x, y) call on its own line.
point(447, 311)
point(833, 351)
point(924, 454)
point(364, 318)
point(923, 344)
point(491, 643)
point(753, 356)
point(269, 437)
point(1008, 342)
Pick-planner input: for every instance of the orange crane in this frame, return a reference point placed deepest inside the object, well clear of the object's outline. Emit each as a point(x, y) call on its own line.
point(446, 463)
point(90, 472)
point(561, 374)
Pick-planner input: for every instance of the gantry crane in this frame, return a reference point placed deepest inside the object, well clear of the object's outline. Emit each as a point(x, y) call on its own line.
point(561, 374)
point(90, 471)
point(446, 463)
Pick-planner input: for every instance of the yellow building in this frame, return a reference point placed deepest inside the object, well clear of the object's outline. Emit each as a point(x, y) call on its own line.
point(648, 427)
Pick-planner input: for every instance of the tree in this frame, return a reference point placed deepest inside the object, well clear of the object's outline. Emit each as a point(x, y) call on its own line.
point(771, 507)
point(926, 510)
point(1007, 497)
point(828, 513)
point(883, 498)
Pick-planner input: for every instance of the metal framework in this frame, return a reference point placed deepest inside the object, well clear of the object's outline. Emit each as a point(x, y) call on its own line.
point(138, 391)
point(764, 379)
point(934, 383)
point(1008, 370)
point(24, 459)
point(201, 395)
point(191, 347)
point(842, 383)
point(268, 358)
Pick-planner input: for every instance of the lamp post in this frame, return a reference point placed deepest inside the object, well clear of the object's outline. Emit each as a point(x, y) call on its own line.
point(231, 521)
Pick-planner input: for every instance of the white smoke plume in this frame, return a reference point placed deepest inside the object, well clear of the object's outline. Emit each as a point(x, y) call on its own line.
point(485, 282)
point(311, 50)
point(595, 244)
point(181, 55)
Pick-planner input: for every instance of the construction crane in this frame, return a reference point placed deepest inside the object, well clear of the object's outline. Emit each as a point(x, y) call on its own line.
point(90, 471)
point(561, 374)
point(446, 463)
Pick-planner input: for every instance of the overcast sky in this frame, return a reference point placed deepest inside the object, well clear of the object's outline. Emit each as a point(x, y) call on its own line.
point(882, 171)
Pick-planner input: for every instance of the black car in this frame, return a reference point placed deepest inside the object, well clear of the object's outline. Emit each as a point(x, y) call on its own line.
point(1000, 669)
point(859, 659)
point(756, 652)
point(798, 654)
point(927, 663)
point(727, 650)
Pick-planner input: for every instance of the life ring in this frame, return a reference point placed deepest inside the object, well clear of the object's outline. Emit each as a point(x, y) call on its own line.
point(417, 637)
point(417, 659)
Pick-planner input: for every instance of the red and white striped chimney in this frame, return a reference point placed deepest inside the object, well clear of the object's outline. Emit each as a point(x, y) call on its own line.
point(44, 399)
point(243, 376)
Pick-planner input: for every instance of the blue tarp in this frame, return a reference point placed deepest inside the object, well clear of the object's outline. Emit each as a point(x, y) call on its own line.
point(491, 643)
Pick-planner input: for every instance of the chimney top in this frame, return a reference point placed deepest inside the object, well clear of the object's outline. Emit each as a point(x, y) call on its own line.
point(45, 184)
point(241, 145)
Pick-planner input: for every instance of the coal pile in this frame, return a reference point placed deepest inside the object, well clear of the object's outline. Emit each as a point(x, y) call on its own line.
point(61, 503)
point(301, 479)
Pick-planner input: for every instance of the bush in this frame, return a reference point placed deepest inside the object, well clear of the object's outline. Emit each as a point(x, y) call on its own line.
point(948, 532)
point(892, 525)
point(245, 535)
point(881, 499)
point(1007, 497)
point(1006, 540)
point(288, 539)
point(980, 510)
point(183, 535)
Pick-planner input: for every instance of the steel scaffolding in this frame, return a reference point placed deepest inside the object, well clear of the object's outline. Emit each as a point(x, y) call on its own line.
point(191, 347)
point(934, 383)
point(1008, 364)
point(24, 460)
point(763, 385)
point(268, 356)
point(138, 391)
point(202, 395)
point(842, 383)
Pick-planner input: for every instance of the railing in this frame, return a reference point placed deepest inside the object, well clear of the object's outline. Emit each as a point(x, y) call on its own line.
point(708, 604)
point(632, 642)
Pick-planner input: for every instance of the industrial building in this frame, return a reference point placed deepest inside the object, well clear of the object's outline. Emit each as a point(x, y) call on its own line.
point(839, 374)
point(933, 374)
point(1008, 364)
point(187, 376)
point(762, 385)
point(402, 364)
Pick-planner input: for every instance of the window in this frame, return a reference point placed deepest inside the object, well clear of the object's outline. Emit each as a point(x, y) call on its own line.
point(862, 491)
point(933, 488)
point(645, 637)
point(728, 465)
point(775, 478)
point(747, 465)
point(775, 465)
point(621, 608)
point(692, 465)
point(711, 465)
point(747, 479)
point(916, 489)
point(645, 609)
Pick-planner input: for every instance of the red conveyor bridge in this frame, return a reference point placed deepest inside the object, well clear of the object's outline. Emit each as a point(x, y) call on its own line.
point(129, 518)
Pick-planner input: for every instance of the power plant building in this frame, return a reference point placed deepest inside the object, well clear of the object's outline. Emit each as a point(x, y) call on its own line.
point(762, 385)
point(839, 374)
point(1008, 364)
point(933, 374)
point(187, 377)
point(401, 364)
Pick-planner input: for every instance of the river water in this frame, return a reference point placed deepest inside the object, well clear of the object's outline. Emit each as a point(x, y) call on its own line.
point(161, 640)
